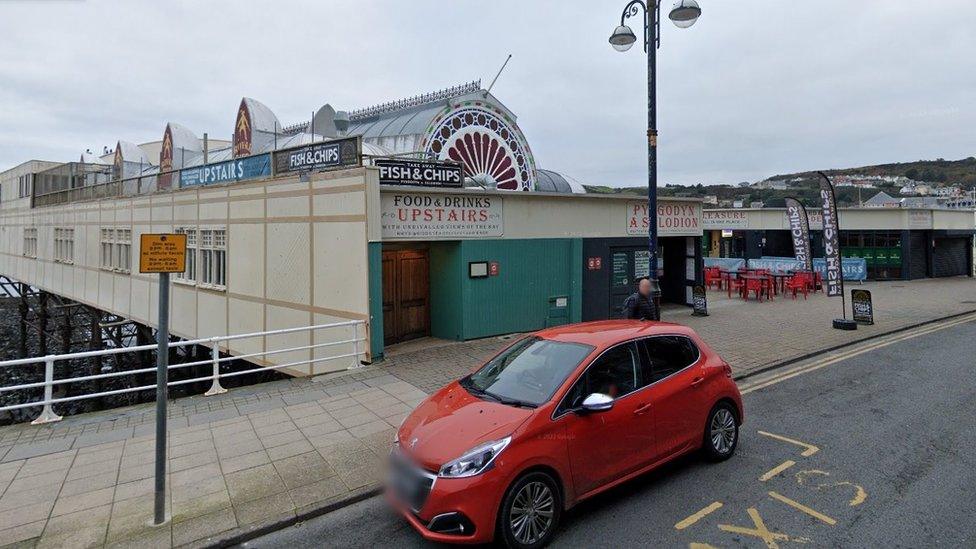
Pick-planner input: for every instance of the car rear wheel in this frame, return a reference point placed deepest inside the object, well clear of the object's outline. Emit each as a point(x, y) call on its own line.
point(721, 432)
point(530, 512)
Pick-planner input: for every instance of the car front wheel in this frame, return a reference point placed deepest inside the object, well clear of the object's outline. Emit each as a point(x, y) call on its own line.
point(530, 512)
point(721, 432)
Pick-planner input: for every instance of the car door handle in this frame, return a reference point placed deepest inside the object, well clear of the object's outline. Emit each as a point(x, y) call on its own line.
point(642, 409)
point(696, 381)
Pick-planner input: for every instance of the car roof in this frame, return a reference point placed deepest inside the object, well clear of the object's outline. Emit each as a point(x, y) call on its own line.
point(603, 333)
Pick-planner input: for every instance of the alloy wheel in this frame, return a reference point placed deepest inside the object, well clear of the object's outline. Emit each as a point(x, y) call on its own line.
point(722, 431)
point(532, 513)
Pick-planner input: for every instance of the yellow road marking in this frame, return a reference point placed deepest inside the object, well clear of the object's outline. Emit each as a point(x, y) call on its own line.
point(789, 374)
point(701, 546)
point(860, 494)
point(800, 507)
point(692, 519)
point(760, 531)
point(777, 470)
point(809, 449)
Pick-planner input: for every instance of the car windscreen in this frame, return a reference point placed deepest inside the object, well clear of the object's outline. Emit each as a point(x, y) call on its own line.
point(528, 372)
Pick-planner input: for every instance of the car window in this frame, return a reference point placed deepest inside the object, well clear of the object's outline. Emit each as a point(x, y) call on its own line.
point(669, 354)
point(616, 373)
point(528, 372)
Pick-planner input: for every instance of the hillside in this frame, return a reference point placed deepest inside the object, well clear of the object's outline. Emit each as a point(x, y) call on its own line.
point(960, 173)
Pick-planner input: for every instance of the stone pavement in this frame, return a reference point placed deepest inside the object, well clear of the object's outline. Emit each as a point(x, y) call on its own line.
point(266, 453)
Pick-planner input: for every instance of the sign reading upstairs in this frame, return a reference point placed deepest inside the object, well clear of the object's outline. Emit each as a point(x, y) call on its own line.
point(162, 253)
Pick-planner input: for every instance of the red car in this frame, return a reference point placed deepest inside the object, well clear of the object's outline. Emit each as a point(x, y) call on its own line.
point(557, 417)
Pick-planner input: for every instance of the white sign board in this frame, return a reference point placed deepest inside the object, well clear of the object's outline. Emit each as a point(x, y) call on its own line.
point(673, 218)
point(724, 219)
point(919, 219)
point(440, 216)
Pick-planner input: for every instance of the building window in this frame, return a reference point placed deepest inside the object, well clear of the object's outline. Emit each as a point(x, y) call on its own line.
point(189, 276)
point(105, 255)
point(30, 242)
point(123, 250)
point(25, 184)
point(213, 257)
point(116, 249)
point(64, 245)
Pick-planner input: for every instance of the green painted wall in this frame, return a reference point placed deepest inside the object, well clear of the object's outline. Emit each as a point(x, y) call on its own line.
point(532, 274)
point(446, 321)
point(521, 298)
point(375, 253)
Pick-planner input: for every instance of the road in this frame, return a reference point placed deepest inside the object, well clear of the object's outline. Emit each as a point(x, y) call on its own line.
point(867, 451)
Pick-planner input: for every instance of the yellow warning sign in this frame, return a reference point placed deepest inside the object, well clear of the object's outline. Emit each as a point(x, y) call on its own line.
point(162, 253)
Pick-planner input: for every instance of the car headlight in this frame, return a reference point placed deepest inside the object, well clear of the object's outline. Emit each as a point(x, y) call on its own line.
point(475, 460)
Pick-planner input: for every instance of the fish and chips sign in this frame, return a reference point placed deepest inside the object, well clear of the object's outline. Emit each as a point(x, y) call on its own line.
point(673, 218)
point(439, 216)
point(329, 155)
point(419, 173)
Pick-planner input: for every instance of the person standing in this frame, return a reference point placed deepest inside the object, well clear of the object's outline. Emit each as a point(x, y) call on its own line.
point(640, 305)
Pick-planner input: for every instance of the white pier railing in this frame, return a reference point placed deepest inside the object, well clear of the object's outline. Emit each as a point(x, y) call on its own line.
point(333, 343)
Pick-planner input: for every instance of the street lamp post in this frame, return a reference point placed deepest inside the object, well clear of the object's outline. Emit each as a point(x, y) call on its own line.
point(684, 13)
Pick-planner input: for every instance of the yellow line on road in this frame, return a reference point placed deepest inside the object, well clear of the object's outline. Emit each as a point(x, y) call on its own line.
point(777, 470)
point(789, 374)
point(809, 449)
point(800, 507)
point(682, 524)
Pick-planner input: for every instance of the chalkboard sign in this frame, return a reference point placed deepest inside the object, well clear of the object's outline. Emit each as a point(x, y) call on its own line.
point(698, 301)
point(861, 306)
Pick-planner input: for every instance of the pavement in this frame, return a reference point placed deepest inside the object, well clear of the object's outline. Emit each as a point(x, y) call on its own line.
point(264, 455)
point(870, 446)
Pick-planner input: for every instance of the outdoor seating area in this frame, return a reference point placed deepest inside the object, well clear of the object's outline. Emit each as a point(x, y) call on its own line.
point(763, 284)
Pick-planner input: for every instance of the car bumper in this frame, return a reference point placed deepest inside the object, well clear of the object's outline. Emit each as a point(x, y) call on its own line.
point(476, 499)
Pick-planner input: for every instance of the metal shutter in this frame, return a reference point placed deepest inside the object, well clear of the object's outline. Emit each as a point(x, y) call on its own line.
point(918, 250)
point(949, 257)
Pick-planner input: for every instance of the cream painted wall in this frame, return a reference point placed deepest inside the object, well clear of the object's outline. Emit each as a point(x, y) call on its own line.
point(540, 215)
point(296, 255)
point(857, 218)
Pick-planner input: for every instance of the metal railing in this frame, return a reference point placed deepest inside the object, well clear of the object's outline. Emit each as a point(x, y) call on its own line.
point(353, 340)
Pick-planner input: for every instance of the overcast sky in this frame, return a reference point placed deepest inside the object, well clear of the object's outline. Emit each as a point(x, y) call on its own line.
point(756, 87)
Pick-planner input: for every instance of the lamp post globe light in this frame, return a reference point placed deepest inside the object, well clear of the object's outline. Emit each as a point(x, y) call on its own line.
point(683, 14)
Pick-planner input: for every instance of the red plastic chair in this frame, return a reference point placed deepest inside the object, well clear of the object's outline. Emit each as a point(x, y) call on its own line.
point(713, 278)
point(754, 285)
point(800, 282)
point(736, 284)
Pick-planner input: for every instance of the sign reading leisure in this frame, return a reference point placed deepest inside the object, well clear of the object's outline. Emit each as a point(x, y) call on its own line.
point(419, 173)
point(162, 253)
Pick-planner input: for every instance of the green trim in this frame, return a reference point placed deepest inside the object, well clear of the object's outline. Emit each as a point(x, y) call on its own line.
point(576, 282)
point(375, 277)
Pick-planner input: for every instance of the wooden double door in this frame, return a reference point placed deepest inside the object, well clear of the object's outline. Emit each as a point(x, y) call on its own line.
point(406, 295)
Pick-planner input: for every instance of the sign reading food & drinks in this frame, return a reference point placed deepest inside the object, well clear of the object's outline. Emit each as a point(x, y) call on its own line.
point(438, 216)
point(673, 218)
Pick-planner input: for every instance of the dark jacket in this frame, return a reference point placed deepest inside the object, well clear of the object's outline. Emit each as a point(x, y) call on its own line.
point(638, 307)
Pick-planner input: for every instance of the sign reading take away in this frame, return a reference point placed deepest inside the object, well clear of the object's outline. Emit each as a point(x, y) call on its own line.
point(162, 253)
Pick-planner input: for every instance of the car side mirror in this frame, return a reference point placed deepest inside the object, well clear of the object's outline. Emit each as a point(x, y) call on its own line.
point(596, 402)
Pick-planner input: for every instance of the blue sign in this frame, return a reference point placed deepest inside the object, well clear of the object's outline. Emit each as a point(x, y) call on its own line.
point(854, 268)
point(726, 263)
point(239, 169)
